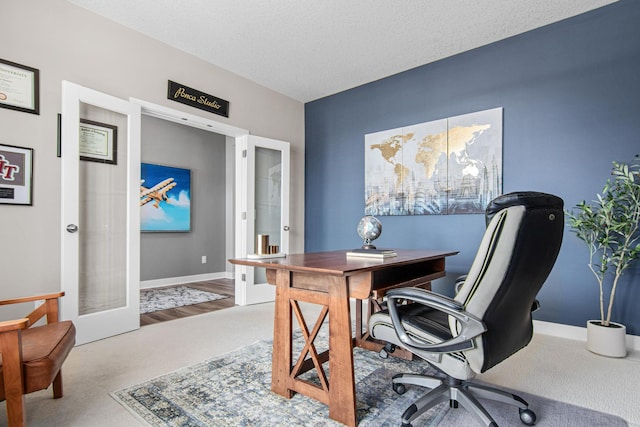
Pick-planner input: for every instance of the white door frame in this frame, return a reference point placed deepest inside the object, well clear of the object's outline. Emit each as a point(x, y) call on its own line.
point(176, 116)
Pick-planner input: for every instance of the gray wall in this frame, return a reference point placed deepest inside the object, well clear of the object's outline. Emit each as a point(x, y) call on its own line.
point(571, 98)
point(167, 255)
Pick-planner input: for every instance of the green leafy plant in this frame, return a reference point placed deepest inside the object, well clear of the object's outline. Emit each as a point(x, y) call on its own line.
point(609, 227)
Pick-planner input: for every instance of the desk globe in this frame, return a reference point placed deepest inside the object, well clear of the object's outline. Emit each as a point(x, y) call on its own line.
point(369, 229)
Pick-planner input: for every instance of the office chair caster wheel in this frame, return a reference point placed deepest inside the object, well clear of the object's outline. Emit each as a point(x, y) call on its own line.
point(399, 388)
point(527, 416)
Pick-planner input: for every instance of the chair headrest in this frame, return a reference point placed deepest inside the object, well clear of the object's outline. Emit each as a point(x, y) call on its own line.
point(528, 199)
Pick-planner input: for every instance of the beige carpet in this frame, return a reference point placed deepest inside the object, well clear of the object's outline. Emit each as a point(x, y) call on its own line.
point(559, 369)
point(565, 370)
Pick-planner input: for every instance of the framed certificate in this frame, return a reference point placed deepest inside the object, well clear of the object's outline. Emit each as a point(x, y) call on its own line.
point(16, 175)
point(98, 142)
point(19, 87)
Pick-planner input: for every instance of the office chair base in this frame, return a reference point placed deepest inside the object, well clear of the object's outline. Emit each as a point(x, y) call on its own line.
point(457, 392)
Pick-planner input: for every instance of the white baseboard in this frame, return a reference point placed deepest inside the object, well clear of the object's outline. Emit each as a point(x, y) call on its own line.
point(575, 333)
point(146, 284)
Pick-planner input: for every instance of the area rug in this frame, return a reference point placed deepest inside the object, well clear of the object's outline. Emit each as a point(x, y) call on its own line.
point(234, 390)
point(164, 298)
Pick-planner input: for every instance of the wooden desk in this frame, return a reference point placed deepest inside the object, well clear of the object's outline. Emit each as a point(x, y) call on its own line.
point(330, 279)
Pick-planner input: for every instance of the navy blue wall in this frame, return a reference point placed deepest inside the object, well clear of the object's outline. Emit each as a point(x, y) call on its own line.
point(571, 98)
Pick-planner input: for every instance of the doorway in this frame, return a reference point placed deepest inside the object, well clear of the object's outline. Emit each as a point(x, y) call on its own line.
point(195, 250)
point(245, 208)
point(239, 242)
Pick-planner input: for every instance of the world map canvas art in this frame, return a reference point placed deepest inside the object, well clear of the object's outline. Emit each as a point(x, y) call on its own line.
point(441, 167)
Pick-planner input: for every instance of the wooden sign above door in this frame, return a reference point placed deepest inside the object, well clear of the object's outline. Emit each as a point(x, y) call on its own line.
point(194, 98)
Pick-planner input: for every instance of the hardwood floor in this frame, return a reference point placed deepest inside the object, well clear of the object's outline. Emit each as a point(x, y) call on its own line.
point(218, 286)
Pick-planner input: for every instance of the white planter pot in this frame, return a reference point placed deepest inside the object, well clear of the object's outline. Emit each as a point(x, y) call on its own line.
point(608, 341)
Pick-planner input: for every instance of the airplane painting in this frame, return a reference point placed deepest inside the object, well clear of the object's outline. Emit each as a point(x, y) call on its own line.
point(165, 198)
point(158, 192)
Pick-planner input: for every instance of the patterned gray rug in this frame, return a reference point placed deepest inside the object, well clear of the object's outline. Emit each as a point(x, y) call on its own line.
point(234, 390)
point(164, 298)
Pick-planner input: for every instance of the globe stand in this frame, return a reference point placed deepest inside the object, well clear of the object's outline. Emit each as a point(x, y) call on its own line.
point(367, 244)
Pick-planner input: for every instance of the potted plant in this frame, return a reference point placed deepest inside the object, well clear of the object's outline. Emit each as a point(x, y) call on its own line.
point(609, 227)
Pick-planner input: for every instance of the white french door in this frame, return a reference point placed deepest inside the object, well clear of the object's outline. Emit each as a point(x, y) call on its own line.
point(262, 208)
point(100, 270)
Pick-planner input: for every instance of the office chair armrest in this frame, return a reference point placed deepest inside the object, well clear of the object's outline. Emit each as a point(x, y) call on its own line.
point(459, 282)
point(425, 297)
point(470, 326)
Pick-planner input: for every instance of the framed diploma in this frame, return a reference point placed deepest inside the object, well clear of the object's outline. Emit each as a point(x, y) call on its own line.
point(98, 142)
point(16, 175)
point(19, 87)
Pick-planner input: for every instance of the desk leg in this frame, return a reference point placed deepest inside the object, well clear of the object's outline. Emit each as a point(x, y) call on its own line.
point(342, 389)
point(282, 325)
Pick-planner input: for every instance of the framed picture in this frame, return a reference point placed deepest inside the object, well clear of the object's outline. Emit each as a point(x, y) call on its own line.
point(98, 142)
point(19, 87)
point(165, 198)
point(441, 167)
point(16, 175)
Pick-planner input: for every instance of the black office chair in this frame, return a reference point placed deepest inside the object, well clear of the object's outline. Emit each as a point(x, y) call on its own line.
point(488, 320)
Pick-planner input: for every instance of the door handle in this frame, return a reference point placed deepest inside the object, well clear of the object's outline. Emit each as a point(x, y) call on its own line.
point(72, 228)
point(286, 228)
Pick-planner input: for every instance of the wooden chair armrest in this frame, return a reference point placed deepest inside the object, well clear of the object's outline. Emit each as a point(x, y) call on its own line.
point(31, 298)
point(14, 325)
point(49, 308)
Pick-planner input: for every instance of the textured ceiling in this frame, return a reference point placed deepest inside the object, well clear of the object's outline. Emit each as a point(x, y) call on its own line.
point(308, 49)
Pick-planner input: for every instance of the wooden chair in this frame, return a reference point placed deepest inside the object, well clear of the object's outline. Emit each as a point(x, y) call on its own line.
point(32, 355)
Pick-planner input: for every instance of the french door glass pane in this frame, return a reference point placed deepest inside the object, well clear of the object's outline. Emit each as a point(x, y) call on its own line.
point(103, 239)
point(268, 200)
